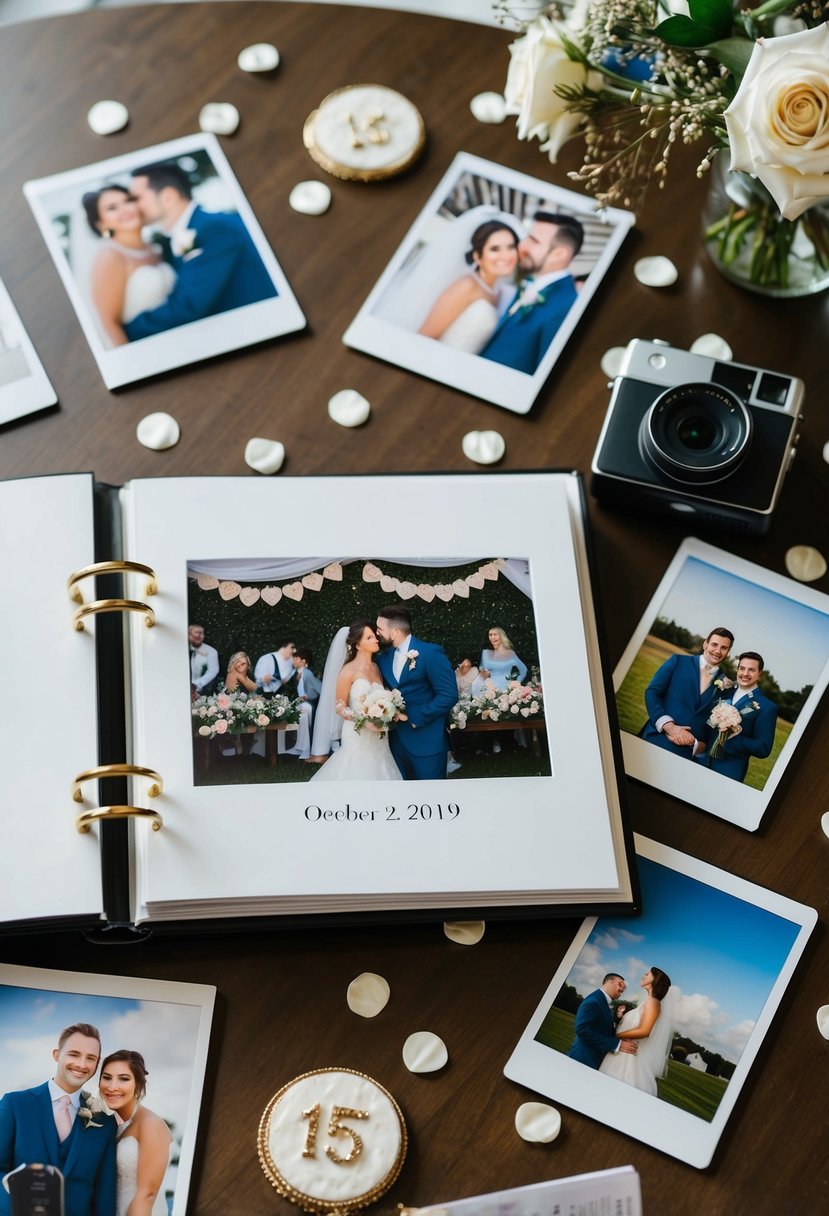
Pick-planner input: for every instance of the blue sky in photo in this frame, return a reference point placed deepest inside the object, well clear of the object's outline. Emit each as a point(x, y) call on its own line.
point(722, 954)
point(792, 638)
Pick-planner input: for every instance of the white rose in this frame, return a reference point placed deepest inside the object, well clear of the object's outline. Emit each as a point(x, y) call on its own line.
point(778, 124)
point(538, 62)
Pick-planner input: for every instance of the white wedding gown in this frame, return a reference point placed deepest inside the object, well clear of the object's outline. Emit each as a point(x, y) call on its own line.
point(363, 755)
point(126, 1165)
point(147, 288)
point(641, 1069)
point(474, 327)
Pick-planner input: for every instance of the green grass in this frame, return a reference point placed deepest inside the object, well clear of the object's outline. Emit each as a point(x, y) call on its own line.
point(683, 1087)
point(630, 705)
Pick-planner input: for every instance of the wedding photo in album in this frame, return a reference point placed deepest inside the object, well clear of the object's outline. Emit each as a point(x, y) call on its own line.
point(24, 385)
point(490, 282)
point(652, 1025)
point(163, 260)
point(128, 1056)
point(720, 680)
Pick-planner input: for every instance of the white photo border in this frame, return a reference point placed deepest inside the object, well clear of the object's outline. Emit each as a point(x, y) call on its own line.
point(32, 392)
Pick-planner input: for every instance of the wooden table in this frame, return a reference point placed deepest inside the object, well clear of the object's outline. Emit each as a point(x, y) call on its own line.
point(281, 1007)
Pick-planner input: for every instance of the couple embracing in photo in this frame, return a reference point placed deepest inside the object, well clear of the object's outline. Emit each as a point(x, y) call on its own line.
point(635, 1049)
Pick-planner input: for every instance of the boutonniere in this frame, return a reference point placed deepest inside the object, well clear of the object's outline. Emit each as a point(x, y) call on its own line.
point(89, 1107)
point(184, 242)
point(723, 682)
point(411, 656)
point(752, 705)
point(528, 297)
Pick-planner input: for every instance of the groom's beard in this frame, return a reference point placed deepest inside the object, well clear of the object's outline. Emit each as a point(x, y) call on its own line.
point(385, 643)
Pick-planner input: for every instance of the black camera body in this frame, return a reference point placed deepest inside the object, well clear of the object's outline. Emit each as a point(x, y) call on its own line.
point(698, 438)
point(36, 1190)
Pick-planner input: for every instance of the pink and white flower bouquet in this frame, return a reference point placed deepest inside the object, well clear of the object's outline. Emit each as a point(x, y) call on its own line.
point(381, 707)
point(726, 719)
point(516, 703)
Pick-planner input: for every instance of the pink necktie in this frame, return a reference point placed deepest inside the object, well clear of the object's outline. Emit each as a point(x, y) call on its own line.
point(63, 1119)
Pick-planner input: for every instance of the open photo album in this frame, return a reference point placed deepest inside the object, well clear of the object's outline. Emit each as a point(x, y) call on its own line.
point(322, 707)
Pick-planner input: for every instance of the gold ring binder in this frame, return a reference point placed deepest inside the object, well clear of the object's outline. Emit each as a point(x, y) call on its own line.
point(84, 821)
point(118, 770)
point(113, 606)
point(114, 567)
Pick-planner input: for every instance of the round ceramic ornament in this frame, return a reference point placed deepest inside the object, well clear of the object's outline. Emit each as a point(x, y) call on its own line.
point(332, 1141)
point(365, 133)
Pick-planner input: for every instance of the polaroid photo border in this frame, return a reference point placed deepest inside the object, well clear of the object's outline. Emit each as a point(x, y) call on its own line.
point(182, 1003)
point(183, 343)
point(620, 1105)
point(481, 182)
point(24, 385)
point(692, 781)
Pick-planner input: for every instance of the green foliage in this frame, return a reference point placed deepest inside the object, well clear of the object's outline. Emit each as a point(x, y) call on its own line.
point(677, 635)
point(708, 21)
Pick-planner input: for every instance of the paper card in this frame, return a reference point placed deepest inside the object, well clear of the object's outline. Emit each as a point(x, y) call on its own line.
point(24, 385)
point(481, 294)
point(727, 949)
point(163, 268)
point(782, 623)
point(167, 1024)
point(599, 1193)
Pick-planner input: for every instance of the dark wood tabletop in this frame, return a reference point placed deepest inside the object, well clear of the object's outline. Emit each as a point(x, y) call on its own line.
point(281, 1007)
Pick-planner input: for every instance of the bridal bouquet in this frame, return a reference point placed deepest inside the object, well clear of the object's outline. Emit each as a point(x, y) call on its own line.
point(493, 704)
point(636, 77)
point(381, 707)
point(726, 719)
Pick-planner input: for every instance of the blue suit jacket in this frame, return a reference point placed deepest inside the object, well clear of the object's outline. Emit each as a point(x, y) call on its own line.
point(521, 340)
point(28, 1135)
point(430, 690)
point(594, 1030)
point(222, 271)
point(674, 690)
point(755, 739)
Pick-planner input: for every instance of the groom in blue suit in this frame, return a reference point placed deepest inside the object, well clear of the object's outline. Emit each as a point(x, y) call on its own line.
point(545, 296)
point(217, 265)
point(681, 694)
point(427, 682)
point(51, 1125)
point(759, 719)
point(595, 1031)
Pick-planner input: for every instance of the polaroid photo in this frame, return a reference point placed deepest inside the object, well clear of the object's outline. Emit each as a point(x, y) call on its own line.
point(24, 385)
point(134, 1047)
point(490, 282)
point(702, 972)
point(162, 258)
point(720, 680)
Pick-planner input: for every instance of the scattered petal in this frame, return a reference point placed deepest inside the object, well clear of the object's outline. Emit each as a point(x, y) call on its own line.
point(264, 455)
point(219, 117)
point(348, 407)
point(107, 117)
point(656, 271)
point(484, 447)
point(824, 823)
point(611, 363)
point(805, 563)
point(261, 57)
point(310, 198)
point(713, 346)
point(158, 431)
point(368, 994)
point(488, 107)
point(537, 1122)
point(424, 1052)
point(464, 932)
point(826, 452)
point(823, 1020)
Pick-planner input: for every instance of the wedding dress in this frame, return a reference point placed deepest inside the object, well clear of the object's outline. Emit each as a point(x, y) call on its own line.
point(472, 329)
point(147, 288)
point(126, 1164)
point(363, 755)
point(642, 1069)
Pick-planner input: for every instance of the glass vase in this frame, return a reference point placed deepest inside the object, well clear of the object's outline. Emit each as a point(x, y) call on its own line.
point(752, 245)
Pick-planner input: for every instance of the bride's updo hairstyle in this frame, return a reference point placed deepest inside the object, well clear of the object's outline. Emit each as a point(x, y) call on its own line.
point(661, 983)
point(135, 1062)
point(355, 633)
point(482, 234)
point(91, 202)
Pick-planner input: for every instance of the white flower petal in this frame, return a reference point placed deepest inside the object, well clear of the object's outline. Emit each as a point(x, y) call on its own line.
point(656, 271)
point(805, 563)
point(484, 447)
point(260, 57)
point(310, 198)
point(537, 1122)
point(713, 346)
point(368, 994)
point(424, 1052)
point(107, 117)
point(348, 407)
point(823, 1020)
point(158, 431)
point(611, 363)
point(464, 932)
point(264, 455)
point(488, 107)
point(219, 118)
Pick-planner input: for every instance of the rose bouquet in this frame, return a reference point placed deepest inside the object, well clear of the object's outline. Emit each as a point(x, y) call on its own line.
point(233, 713)
point(726, 719)
point(381, 707)
point(516, 702)
point(636, 77)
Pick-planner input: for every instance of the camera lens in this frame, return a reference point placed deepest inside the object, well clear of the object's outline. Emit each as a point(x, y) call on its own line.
point(696, 433)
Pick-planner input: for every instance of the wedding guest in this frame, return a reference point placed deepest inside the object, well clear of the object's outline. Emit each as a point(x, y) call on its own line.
point(308, 689)
point(275, 669)
point(239, 677)
point(499, 662)
point(467, 677)
point(204, 662)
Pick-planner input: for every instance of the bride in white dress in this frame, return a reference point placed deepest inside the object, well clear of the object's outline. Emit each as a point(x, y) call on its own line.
point(651, 1026)
point(465, 315)
point(127, 276)
point(363, 755)
point(142, 1152)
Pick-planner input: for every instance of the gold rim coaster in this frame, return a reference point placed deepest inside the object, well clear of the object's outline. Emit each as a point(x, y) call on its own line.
point(85, 820)
point(365, 133)
point(116, 567)
point(332, 1141)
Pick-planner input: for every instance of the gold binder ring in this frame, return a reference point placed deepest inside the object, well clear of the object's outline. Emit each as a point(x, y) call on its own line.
point(113, 606)
point(85, 820)
point(115, 567)
point(117, 770)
